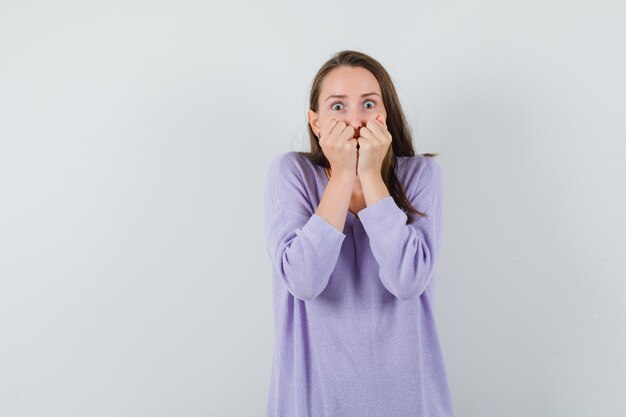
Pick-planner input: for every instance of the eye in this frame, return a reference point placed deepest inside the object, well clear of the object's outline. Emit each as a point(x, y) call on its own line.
point(371, 101)
point(340, 104)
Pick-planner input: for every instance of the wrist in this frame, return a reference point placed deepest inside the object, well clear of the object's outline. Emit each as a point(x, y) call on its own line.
point(370, 175)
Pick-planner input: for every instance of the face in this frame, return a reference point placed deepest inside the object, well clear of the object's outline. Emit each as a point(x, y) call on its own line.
point(356, 106)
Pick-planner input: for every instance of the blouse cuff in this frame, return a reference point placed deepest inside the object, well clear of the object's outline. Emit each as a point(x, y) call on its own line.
point(382, 215)
point(319, 231)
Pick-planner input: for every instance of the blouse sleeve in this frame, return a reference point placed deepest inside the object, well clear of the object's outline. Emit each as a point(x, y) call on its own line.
point(302, 246)
point(407, 253)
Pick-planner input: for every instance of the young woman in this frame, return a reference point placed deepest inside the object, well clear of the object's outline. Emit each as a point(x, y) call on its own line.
point(353, 231)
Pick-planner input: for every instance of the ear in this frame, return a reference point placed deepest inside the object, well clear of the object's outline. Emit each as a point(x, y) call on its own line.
point(312, 116)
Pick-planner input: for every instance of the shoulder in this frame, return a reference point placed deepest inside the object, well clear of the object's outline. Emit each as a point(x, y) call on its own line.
point(286, 162)
point(291, 167)
point(418, 171)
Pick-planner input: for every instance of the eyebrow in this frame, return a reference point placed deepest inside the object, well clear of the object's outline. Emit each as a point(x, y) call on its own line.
point(344, 96)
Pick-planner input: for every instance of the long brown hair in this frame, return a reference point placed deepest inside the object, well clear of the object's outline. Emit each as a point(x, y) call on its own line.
point(402, 141)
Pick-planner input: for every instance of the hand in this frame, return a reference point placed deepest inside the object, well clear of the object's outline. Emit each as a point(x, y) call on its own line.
point(339, 146)
point(374, 141)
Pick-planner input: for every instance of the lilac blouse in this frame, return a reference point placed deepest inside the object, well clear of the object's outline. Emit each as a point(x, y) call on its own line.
point(354, 328)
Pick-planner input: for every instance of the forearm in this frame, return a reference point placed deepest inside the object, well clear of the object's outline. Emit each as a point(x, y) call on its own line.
point(336, 199)
point(374, 188)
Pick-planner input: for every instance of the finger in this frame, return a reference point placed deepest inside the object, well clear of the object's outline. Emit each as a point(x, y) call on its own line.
point(368, 134)
point(364, 142)
point(347, 133)
point(376, 127)
point(328, 127)
point(339, 129)
point(382, 119)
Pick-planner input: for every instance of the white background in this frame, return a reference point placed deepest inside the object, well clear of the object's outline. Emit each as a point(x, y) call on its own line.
point(134, 139)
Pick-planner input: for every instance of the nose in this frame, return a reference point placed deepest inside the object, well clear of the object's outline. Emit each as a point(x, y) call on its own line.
point(356, 120)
